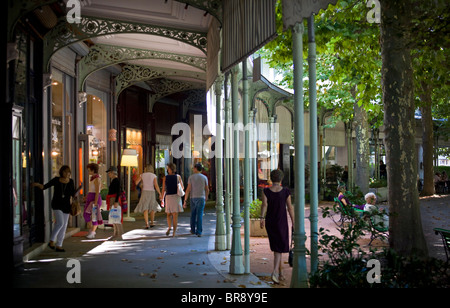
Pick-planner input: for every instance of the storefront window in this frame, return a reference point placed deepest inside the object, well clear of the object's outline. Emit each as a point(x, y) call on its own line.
point(134, 141)
point(17, 173)
point(57, 149)
point(62, 126)
point(97, 131)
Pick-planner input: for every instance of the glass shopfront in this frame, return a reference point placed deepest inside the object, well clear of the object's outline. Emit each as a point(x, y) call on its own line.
point(97, 131)
point(134, 141)
point(19, 203)
point(62, 143)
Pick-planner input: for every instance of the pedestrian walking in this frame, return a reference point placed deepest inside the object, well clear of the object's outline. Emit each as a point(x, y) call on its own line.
point(113, 202)
point(276, 202)
point(147, 203)
point(172, 200)
point(92, 213)
point(63, 190)
point(199, 190)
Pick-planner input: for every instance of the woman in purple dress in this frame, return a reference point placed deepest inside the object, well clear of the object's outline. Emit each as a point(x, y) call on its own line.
point(276, 202)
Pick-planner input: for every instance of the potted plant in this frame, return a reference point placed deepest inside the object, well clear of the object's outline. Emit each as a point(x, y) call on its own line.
point(255, 214)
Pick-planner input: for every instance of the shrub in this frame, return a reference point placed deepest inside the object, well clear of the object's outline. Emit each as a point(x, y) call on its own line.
point(346, 265)
point(255, 209)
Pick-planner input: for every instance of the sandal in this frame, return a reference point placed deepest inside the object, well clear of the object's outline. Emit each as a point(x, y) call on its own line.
point(275, 279)
point(168, 232)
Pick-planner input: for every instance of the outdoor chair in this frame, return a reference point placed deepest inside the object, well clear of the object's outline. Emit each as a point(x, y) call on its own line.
point(377, 227)
point(351, 214)
point(445, 239)
point(348, 213)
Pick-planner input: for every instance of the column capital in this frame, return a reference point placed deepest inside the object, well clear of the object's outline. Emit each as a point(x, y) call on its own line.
point(298, 28)
point(218, 85)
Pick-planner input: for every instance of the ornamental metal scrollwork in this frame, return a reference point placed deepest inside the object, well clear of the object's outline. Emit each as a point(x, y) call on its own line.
point(101, 56)
point(65, 33)
point(132, 73)
point(165, 87)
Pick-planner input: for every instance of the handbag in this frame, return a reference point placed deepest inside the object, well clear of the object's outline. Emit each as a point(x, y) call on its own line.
point(123, 201)
point(162, 201)
point(180, 191)
point(75, 208)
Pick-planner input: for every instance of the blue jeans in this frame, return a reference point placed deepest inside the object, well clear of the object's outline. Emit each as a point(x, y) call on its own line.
point(197, 208)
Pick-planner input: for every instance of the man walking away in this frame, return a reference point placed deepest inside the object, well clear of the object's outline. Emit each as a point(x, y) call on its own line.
point(199, 191)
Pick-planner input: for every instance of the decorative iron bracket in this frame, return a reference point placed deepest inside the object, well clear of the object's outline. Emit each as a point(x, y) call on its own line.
point(66, 33)
point(101, 56)
point(131, 74)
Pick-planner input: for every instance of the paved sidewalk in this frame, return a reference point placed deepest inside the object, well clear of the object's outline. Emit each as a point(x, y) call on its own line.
point(150, 259)
point(144, 259)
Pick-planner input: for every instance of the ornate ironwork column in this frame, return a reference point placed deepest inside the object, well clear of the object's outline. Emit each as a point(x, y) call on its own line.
point(228, 176)
point(246, 168)
point(299, 271)
point(313, 172)
point(236, 260)
point(220, 243)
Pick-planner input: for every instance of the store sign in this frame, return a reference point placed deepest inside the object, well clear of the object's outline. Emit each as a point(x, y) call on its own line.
point(295, 10)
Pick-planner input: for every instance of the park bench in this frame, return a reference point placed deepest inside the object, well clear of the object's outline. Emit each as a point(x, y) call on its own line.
point(445, 239)
point(377, 227)
point(348, 213)
point(351, 214)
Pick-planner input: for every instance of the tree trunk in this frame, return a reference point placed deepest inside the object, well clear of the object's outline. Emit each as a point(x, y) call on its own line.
point(427, 141)
point(405, 225)
point(362, 148)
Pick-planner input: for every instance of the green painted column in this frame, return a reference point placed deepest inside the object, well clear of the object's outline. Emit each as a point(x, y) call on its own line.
point(299, 272)
point(227, 165)
point(236, 260)
point(313, 180)
point(247, 180)
point(251, 155)
point(255, 159)
point(220, 243)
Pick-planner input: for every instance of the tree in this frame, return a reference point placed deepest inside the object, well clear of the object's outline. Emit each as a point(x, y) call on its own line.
point(406, 234)
point(348, 71)
point(431, 66)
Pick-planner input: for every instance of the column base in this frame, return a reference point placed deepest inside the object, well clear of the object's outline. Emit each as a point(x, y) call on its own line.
point(220, 243)
point(236, 265)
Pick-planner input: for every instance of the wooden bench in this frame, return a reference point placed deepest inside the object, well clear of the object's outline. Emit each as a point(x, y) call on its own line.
point(445, 239)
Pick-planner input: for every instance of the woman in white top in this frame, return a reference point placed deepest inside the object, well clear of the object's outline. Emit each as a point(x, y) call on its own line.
point(148, 202)
point(92, 213)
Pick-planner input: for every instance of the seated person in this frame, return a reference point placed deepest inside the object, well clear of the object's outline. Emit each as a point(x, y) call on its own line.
point(380, 218)
point(345, 201)
point(371, 199)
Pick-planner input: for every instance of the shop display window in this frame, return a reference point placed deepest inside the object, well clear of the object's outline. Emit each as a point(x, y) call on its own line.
point(134, 141)
point(97, 130)
point(61, 125)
